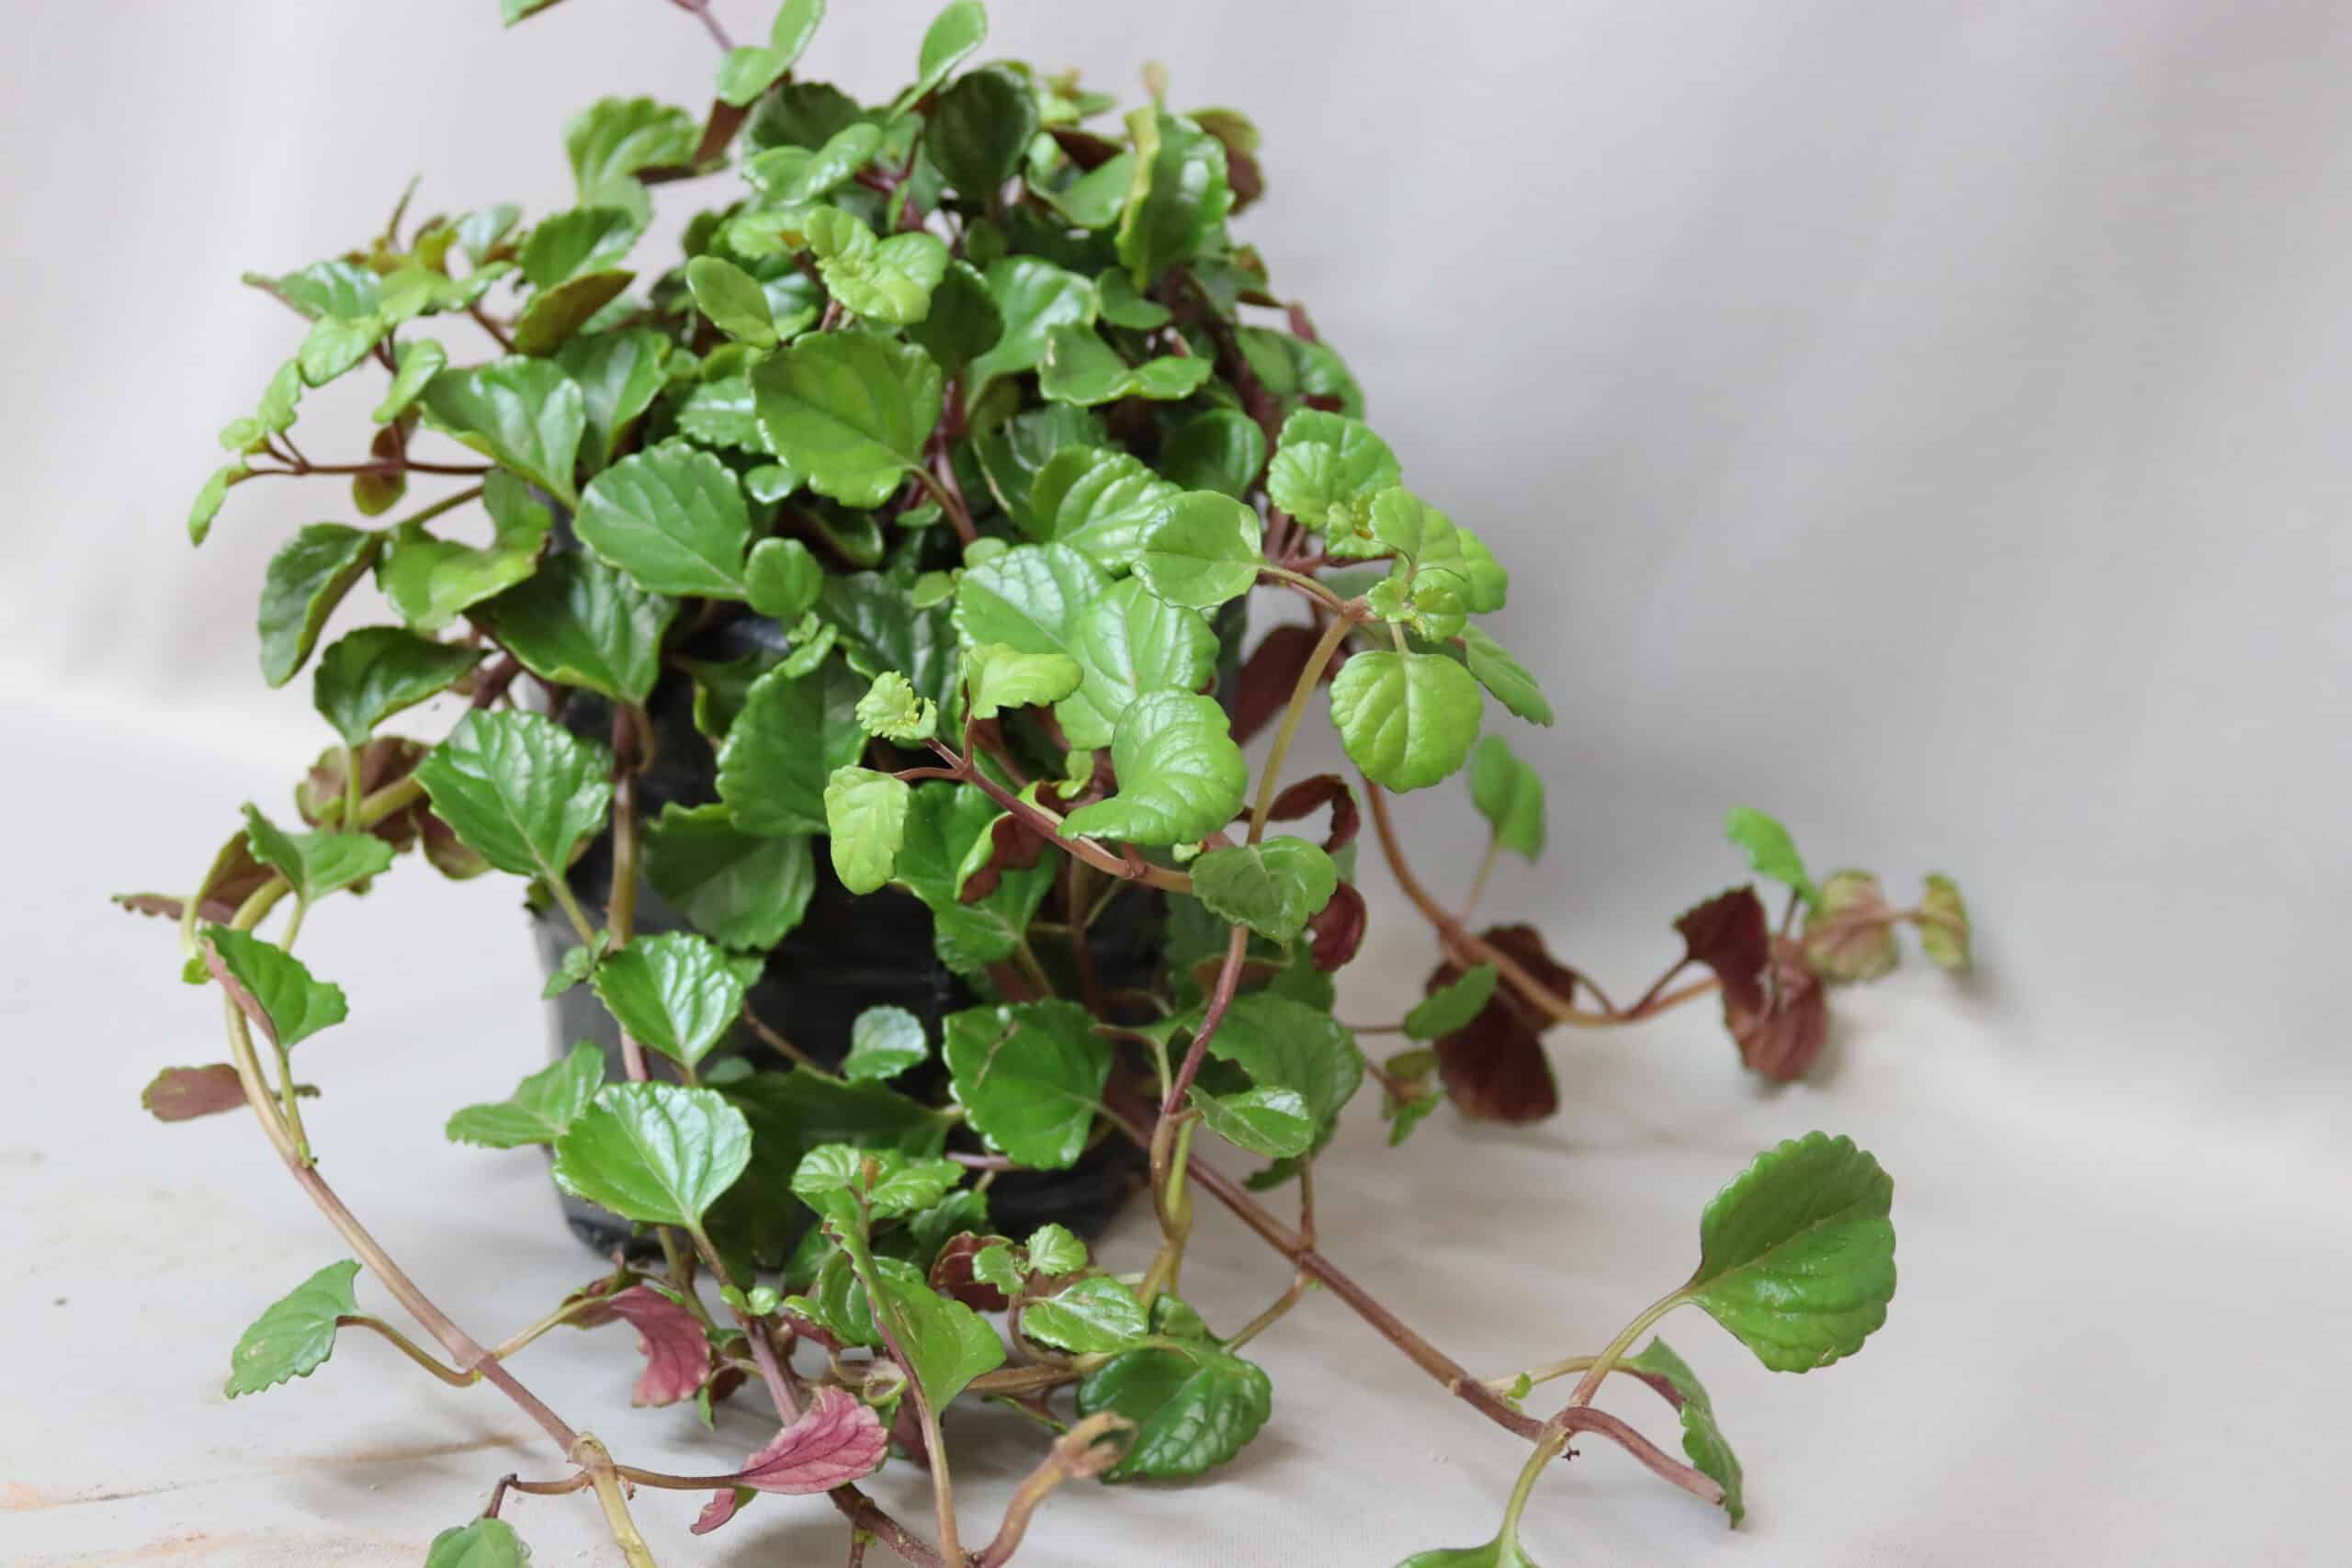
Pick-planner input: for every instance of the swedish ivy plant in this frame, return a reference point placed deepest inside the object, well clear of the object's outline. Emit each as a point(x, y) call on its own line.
point(888, 548)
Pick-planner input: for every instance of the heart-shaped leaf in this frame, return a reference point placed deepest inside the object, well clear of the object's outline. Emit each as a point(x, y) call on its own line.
point(1204, 551)
point(1029, 1077)
point(1033, 297)
point(1326, 470)
point(578, 622)
point(673, 518)
point(520, 790)
point(1000, 679)
point(849, 410)
point(272, 987)
point(656, 1152)
point(1181, 776)
point(1081, 369)
point(1270, 1122)
point(883, 1043)
point(1796, 1254)
point(1178, 198)
point(866, 814)
point(976, 130)
point(1218, 449)
point(367, 676)
point(1770, 850)
point(889, 280)
point(1273, 887)
point(1406, 719)
point(1452, 1005)
point(676, 992)
point(485, 1543)
point(1193, 1407)
point(781, 752)
point(431, 581)
point(1127, 641)
point(1100, 502)
point(523, 413)
point(1094, 1317)
point(294, 1336)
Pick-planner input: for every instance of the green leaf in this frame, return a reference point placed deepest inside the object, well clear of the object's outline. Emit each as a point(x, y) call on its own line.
point(509, 12)
point(883, 1043)
point(520, 790)
point(1123, 307)
point(782, 751)
point(1272, 1122)
point(1850, 936)
point(293, 1006)
point(1095, 1317)
point(1287, 1044)
point(892, 711)
point(1796, 1254)
point(1770, 850)
point(615, 138)
point(947, 838)
point(584, 240)
point(741, 889)
point(523, 413)
point(553, 316)
point(789, 178)
point(1221, 449)
point(673, 518)
point(849, 410)
point(578, 622)
point(745, 73)
point(1203, 552)
point(1026, 598)
point(964, 322)
point(1081, 369)
point(1178, 198)
point(1127, 641)
point(1003, 678)
point(1055, 1249)
point(1033, 297)
point(1275, 887)
point(1096, 197)
point(577, 964)
point(483, 230)
point(306, 580)
point(1944, 925)
point(1029, 1078)
point(959, 28)
point(484, 1543)
point(1496, 671)
point(946, 1343)
point(372, 674)
point(619, 373)
point(881, 630)
point(889, 280)
point(976, 131)
point(1100, 502)
point(1193, 1407)
point(432, 581)
point(332, 347)
point(1326, 470)
point(1509, 795)
point(207, 505)
point(1406, 719)
point(416, 365)
point(1452, 1005)
point(294, 1336)
point(1702, 1440)
point(866, 813)
point(1181, 776)
point(732, 299)
point(315, 865)
point(656, 1152)
point(541, 1107)
point(892, 1181)
point(677, 993)
point(782, 580)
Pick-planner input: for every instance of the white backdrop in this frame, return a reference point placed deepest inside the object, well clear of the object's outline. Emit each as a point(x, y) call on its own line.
point(1923, 420)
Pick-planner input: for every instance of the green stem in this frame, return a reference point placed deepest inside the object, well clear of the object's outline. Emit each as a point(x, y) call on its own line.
point(570, 907)
point(446, 503)
point(350, 782)
point(1591, 1383)
point(1301, 694)
point(1478, 883)
point(1547, 1449)
point(1306, 584)
point(291, 1102)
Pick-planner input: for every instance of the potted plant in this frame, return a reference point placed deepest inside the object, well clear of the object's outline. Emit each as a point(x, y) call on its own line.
point(854, 671)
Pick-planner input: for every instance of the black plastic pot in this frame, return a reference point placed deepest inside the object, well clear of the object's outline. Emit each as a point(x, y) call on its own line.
point(849, 954)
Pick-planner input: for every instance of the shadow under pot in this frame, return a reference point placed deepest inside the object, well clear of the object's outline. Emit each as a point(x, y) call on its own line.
point(848, 953)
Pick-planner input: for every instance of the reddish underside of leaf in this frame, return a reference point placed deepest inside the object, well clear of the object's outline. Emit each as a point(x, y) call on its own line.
point(183, 1094)
point(1494, 1068)
point(677, 1352)
point(1309, 796)
point(1336, 930)
point(835, 1441)
point(1773, 1003)
point(951, 1272)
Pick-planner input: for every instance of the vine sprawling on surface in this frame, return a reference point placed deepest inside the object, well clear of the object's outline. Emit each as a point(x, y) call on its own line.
point(959, 411)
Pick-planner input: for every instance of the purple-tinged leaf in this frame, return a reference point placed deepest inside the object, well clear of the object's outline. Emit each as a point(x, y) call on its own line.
point(834, 1441)
point(1336, 930)
point(1494, 1067)
point(183, 1094)
point(677, 1351)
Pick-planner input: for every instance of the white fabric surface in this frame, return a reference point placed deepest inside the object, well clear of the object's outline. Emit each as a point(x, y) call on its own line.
point(1922, 421)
